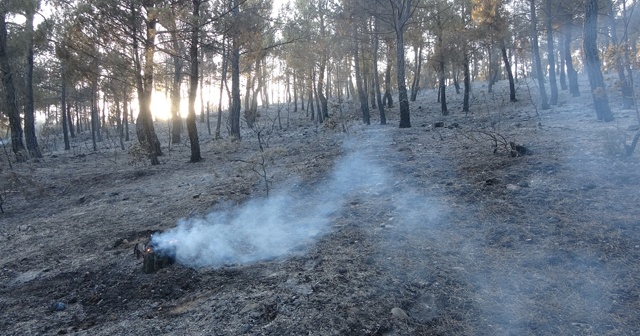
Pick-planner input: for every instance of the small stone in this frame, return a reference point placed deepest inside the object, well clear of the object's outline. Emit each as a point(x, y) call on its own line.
point(439, 124)
point(633, 128)
point(523, 184)
point(588, 186)
point(58, 306)
point(512, 187)
point(399, 313)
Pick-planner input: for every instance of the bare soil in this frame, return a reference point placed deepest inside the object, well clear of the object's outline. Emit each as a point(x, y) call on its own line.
point(465, 237)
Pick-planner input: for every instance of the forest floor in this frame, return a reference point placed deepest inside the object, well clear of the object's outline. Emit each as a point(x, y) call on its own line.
point(420, 231)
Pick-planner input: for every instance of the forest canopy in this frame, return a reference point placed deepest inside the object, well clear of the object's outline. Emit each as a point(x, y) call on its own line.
point(72, 67)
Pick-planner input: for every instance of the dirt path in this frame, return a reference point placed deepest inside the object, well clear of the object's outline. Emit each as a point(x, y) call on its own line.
point(430, 220)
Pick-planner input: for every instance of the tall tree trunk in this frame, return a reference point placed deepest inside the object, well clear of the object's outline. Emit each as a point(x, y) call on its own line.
point(315, 91)
point(29, 111)
point(72, 132)
point(442, 88)
point(553, 86)
point(95, 117)
point(536, 57)
point(193, 87)
point(592, 62)
point(295, 92)
point(490, 70)
point(310, 109)
point(234, 112)
point(223, 81)
point(572, 74)
point(178, 64)
point(507, 68)
point(201, 87)
point(17, 144)
point(362, 96)
point(324, 109)
point(125, 112)
point(63, 106)
point(415, 84)
point(388, 98)
point(625, 86)
point(376, 77)
point(401, 16)
point(563, 73)
point(120, 129)
point(144, 81)
point(467, 83)
point(147, 80)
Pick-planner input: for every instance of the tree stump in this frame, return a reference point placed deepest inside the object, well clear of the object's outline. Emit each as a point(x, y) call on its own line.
point(153, 261)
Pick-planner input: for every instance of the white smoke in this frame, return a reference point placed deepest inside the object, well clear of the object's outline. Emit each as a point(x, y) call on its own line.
point(272, 227)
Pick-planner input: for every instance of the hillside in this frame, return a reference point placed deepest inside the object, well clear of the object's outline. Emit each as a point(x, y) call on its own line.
point(464, 237)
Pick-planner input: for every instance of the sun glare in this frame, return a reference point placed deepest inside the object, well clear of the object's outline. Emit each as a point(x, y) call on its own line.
point(160, 106)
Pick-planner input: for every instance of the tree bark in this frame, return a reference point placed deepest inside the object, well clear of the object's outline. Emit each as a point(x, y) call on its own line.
point(193, 88)
point(415, 84)
point(401, 13)
point(553, 86)
point(17, 145)
point(572, 74)
point(544, 101)
point(625, 86)
point(364, 105)
point(144, 81)
point(467, 82)
point(125, 112)
point(324, 112)
point(29, 111)
point(376, 78)
point(63, 106)
point(388, 97)
point(442, 93)
point(507, 68)
point(178, 64)
point(592, 62)
point(223, 81)
point(234, 112)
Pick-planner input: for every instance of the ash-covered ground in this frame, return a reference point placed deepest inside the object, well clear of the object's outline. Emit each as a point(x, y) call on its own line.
point(366, 230)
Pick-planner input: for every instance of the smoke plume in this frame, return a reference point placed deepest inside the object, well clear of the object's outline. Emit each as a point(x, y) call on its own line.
point(273, 227)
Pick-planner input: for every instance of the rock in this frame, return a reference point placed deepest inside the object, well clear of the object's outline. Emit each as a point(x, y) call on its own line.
point(633, 128)
point(512, 187)
point(439, 124)
point(249, 307)
point(58, 306)
point(399, 314)
point(523, 184)
point(492, 181)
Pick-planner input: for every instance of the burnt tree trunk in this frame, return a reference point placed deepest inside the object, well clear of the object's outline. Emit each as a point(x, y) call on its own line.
point(553, 86)
point(29, 110)
point(592, 62)
point(625, 85)
point(572, 74)
point(376, 78)
point(362, 96)
point(467, 82)
point(234, 112)
point(193, 87)
point(544, 101)
point(507, 68)
point(63, 107)
point(388, 98)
